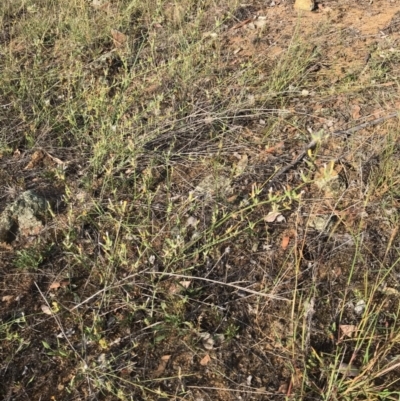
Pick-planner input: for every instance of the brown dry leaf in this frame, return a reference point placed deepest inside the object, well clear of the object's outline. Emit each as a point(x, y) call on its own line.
point(272, 216)
point(283, 388)
point(161, 367)
point(55, 285)
point(347, 330)
point(285, 242)
point(355, 111)
point(119, 38)
point(46, 310)
point(36, 158)
point(176, 288)
point(277, 149)
point(204, 361)
point(58, 284)
point(7, 298)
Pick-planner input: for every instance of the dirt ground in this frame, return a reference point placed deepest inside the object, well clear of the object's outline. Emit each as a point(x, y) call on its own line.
point(262, 313)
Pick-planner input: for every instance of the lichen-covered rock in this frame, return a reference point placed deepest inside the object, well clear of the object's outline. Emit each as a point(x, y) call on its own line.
point(8, 227)
point(23, 216)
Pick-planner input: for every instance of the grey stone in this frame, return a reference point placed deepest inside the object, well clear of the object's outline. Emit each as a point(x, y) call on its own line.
point(23, 216)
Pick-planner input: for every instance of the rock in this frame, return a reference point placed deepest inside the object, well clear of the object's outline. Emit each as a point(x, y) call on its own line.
point(8, 227)
point(22, 217)
point(306, 5)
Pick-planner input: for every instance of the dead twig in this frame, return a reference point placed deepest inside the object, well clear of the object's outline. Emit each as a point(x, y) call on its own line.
point(232, 285)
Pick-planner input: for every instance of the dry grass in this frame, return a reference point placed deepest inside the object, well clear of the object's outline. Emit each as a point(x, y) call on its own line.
point(172, 265)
